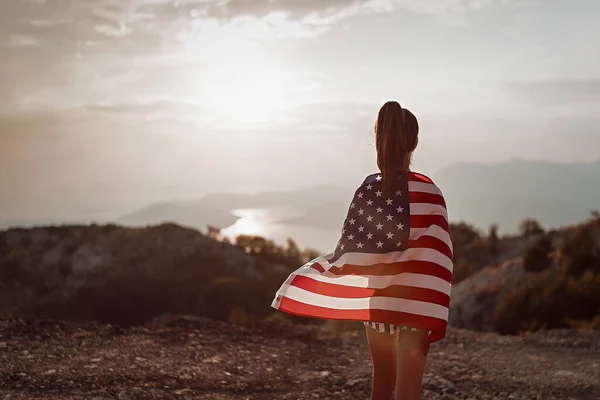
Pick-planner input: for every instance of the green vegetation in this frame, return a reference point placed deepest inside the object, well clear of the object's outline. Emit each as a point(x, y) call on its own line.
point(537, 256)
point(530, 227)
point(555, 298)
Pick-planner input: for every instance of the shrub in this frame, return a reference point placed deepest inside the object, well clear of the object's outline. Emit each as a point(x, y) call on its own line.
point(536, 257)
point(493, 244)
point(530, 227)
point(463, 269)
point(548, 300)
point(580, 253)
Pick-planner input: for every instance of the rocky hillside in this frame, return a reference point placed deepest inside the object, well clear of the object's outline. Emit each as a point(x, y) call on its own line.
point(128, 276)
point(192, 358)
point(571, 259)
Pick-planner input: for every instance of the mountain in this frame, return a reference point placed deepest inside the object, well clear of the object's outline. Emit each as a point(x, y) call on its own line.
point(320, 207)
point(304, 199)
point(505, 193)
point(193, 214)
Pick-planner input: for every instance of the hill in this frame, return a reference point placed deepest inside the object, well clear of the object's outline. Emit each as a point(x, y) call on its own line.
point(544, 280)
point(192, 214)
point(193, 358)
point(129, 275)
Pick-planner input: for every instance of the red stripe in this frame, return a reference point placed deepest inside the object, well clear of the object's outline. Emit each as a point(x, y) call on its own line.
point(350, 292)
point(437, 326)
point(409, 267)
point(430, 242)
point(429, 198)
point(415, 177)
point(425, 221)
point(318, 267)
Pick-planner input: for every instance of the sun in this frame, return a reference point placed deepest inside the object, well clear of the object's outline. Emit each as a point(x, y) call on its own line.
point(245, 91)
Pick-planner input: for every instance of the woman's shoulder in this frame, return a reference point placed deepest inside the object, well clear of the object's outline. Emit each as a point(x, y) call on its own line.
point(418, 177)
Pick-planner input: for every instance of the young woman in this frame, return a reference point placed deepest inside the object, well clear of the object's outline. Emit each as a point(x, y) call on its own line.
point(392, 267)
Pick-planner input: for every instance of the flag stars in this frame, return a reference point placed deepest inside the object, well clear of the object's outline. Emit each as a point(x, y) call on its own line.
point(360, 195)
point(361, 229)
point(399, 244)
point(400, 227)
point(378, 178)
point(370, 236)
point(350, 237)
point(390, 217)
point(379, 193)
point(379, 245)
point(379, 226)
point(389, 202)
point(400, 209)
point(352, 221)
point(369, 202)
point(369, 187)
point(361, 211)
point(342, 247)
point(360, 245)
point(369, 219)
point(379, 210)
point(390, 235)
point(352, 205)
point(398, 192)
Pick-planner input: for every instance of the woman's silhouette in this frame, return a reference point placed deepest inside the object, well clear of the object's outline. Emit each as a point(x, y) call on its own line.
point(392, 267)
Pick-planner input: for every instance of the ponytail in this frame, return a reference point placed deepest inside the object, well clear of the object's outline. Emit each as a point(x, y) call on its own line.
point(396, 137)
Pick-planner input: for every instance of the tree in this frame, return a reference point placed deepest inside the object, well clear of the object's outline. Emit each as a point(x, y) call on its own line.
point(530, 227)
point(493, 244)
point(595, 217)
point(292, 250)
point(213, 232)
point(537, 256)
point(580, 253)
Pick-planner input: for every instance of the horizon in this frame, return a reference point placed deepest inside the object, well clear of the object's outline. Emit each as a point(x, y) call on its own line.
point(108, 107)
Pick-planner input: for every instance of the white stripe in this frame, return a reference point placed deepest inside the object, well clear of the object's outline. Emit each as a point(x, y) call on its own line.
point(366, 260)
point(423, 187)
point(414, 254)
point(433, 231)
point(374, 303)
point(381, 281)
point(428, 209)
point(300, 271)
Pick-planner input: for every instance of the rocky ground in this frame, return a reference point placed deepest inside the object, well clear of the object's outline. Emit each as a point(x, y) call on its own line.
point(189, 358)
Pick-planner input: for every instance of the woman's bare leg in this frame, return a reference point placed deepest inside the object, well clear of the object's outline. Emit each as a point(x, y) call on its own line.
point(383, 353)
point(410, 365)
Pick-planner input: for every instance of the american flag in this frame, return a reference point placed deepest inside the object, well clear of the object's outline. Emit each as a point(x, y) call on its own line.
point(393, 263)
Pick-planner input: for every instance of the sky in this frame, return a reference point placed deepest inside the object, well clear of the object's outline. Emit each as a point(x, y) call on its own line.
point(109, 105)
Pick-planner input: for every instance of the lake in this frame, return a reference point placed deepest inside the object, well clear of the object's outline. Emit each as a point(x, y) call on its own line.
point(265, 222)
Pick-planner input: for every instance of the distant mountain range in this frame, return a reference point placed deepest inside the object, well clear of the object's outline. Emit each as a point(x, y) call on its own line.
point(481, 194)
point(505, 193)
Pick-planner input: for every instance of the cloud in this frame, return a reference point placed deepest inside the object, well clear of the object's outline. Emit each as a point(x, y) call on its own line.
point(20, 41)
point(109, 30)
point(559, 91)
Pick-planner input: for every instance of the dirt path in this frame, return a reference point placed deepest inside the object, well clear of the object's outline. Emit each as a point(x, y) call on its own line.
point(199, 359)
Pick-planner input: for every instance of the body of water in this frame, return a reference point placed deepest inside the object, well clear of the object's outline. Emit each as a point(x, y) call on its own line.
point(265, 222)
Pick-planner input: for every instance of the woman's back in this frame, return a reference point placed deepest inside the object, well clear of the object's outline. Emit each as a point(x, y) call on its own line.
point(392, 266)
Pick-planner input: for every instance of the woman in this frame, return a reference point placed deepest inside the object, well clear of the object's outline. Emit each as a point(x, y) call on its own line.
point(392, 267)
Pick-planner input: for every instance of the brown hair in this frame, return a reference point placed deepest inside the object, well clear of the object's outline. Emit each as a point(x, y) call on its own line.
point(396, 137)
